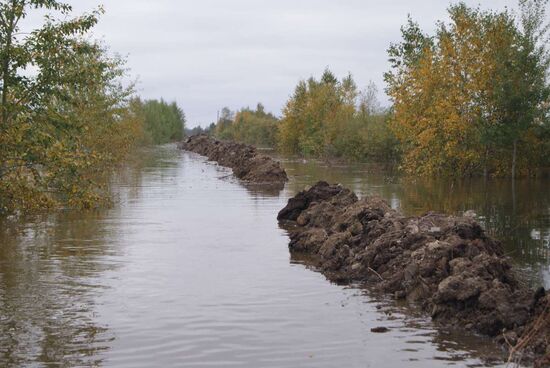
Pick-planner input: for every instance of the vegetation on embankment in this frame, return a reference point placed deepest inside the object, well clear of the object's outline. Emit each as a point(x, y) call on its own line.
point(472, 99)
point(331, 118)
point(256, 127)
point(66, 118)
point(324, 118)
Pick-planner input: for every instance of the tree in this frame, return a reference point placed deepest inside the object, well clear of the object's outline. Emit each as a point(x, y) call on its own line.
point(256, 127)
point(368, 100)
point(327, 117)
point(225, 119)
point(466, 98)
point(163, 122)
point(314, 116)
point(46, 49)
point(65, 117)
point(528, 91)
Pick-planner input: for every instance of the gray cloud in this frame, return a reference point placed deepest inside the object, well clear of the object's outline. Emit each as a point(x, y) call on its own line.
point(211, 53)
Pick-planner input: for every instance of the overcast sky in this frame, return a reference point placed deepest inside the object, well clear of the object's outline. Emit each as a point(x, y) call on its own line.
point(206, 54)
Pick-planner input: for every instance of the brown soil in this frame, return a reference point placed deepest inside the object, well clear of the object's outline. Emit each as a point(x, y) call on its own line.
point(247, 163)
point(446, 264)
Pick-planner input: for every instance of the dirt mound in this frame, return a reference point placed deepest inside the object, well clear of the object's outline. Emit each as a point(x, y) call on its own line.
point(247, 163)
point(445, 263)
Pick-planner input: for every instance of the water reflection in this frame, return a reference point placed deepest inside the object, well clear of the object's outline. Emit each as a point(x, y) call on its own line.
point(48, 285)
point(190, 268)
point(52, 271)
point(517, 213)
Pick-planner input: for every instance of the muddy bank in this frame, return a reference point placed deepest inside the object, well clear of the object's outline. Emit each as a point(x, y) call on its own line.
point(245, 160)
point(444, 263)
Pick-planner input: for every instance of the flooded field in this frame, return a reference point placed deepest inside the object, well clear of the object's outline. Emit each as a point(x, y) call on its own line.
point(190, 269)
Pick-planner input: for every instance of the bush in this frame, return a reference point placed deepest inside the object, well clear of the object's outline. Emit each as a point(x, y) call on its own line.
point(163, 122)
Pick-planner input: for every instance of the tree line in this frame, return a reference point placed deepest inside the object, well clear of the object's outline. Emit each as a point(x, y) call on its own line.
point(252, 126)
point(66, 115)
point(324, 118)
point(471, 99)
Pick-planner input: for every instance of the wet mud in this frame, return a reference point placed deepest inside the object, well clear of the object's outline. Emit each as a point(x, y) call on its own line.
point(247, 163)
point(445, 264)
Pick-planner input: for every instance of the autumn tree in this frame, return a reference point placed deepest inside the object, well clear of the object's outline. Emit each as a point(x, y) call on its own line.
point(466, 98)
point(333, 118)
point(250, 126)
point(65, 116)
point(315, 114)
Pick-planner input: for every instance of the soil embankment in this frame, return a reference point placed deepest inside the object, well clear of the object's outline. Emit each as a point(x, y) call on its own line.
point(245, 160)
point(444, 263)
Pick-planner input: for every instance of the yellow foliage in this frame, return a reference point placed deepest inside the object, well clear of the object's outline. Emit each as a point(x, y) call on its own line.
point(455, 112)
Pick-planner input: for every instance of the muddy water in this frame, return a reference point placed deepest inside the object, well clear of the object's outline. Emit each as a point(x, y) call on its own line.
point(190, 269)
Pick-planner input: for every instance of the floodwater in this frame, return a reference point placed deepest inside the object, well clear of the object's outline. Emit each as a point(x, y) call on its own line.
point(190, 269)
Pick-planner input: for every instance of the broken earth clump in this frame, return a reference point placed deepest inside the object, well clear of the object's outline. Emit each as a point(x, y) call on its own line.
point(444, 263)
point(245, 160)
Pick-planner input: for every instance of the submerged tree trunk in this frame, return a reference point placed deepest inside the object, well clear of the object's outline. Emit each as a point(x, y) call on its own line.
point(9, 29)
point(514, 155)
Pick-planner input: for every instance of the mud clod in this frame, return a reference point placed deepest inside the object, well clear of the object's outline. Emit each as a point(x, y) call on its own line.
point(444, 263)
point(245, 160)
point(380, 330)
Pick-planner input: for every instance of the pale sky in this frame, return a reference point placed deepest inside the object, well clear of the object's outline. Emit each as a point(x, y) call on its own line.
point(206, 54)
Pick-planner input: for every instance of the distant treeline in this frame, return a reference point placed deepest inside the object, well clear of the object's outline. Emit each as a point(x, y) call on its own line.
point(66, 124)
point(256, 127)
point(324, 118)
point(163, 122)
point(332, 118)
point(200, 130)
point(472, 99)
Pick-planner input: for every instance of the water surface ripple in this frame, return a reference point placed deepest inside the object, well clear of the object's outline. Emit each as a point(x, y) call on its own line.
point(190, 269)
